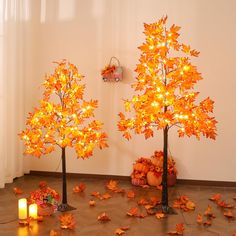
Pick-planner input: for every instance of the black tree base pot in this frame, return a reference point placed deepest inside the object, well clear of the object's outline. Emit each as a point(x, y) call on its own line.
point(65, 207)
point(165, 209)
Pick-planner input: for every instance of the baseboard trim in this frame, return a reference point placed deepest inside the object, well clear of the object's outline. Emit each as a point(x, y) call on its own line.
point(206, 183)
point(79, 175)
point(119, 177)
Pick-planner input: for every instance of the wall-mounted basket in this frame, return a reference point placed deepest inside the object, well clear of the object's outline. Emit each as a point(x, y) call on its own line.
point(112, 72)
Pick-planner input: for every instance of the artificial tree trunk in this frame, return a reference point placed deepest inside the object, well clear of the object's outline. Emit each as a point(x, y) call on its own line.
point(164, 200)
point(64, 206)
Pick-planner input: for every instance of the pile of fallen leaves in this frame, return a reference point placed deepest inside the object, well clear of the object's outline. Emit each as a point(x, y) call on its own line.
point(67, 220)
point(208, 214)
point(184, 203)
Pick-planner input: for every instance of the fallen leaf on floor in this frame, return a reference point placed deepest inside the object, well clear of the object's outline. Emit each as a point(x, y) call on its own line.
point(184, 203)
point(229, 215)
point(207, 222)
point(40, 218)
point(114, 187)
point(224, 204)
point(142, 201)
point(54, 233)
point(148, 207)
point(190, 205)
point(125, 228)
point(135, 212)
point(160, 215)
point(151, 211)
point(17, 191)
point(96, 194)
point(130, 194)
point(92, 203)
point(105, 196)
point(179, 230)
point(216, 197)
point(103, 217)
point(208, 212)
point(234, 234)
point(121, 230)
point(154, 201)
point(24, 222)
point(67, 221)
point(79, 188)
point(199, 219)
point(234, 198)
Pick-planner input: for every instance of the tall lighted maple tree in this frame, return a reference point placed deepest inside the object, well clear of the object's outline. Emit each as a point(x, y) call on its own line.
point(164, 95)
point(63, 119)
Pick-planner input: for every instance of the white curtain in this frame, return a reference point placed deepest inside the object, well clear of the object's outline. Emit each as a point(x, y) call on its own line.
point(14, 19)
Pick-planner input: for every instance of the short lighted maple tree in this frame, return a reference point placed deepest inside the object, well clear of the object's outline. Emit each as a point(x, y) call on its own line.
point(63, 119)
point(164, 95)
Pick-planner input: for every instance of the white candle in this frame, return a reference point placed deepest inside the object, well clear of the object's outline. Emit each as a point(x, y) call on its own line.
point(33, 211)
point(22, 209)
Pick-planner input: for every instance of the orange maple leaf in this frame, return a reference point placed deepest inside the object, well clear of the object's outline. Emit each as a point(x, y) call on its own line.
point(112, 185)
point(199, 218)
point(224, 204)
point(92, 203)
point(67, 221)
point(79, 188)
point(190, 205)
point(208, 212)
point(207, 222)
point(103, 217)
point(130, 194)
point(105, 196)
point(184, 203)
point(142, 201)
point(40, 218)
point(179, 230)
point(54, 233)
point(127, 135)
point(121, 230)
point(229, 215)
point(96, 194)
point(194, 53)
point(133, 211)
point(160, 215)
point(17, 190)
point(216, 197)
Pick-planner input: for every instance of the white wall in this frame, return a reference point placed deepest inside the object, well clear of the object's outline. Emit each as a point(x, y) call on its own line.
point(89, 32)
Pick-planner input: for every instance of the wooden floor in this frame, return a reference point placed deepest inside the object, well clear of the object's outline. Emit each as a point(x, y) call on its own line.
point(116, 207)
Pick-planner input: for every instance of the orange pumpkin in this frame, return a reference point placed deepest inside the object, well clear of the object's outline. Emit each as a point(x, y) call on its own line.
point(153, 179)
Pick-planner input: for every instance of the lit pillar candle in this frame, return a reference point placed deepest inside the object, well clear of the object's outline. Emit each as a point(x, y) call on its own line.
point(22, 209)
point(33, 211)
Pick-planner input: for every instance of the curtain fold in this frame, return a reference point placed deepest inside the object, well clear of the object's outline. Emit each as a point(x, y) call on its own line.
point(14, 17)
